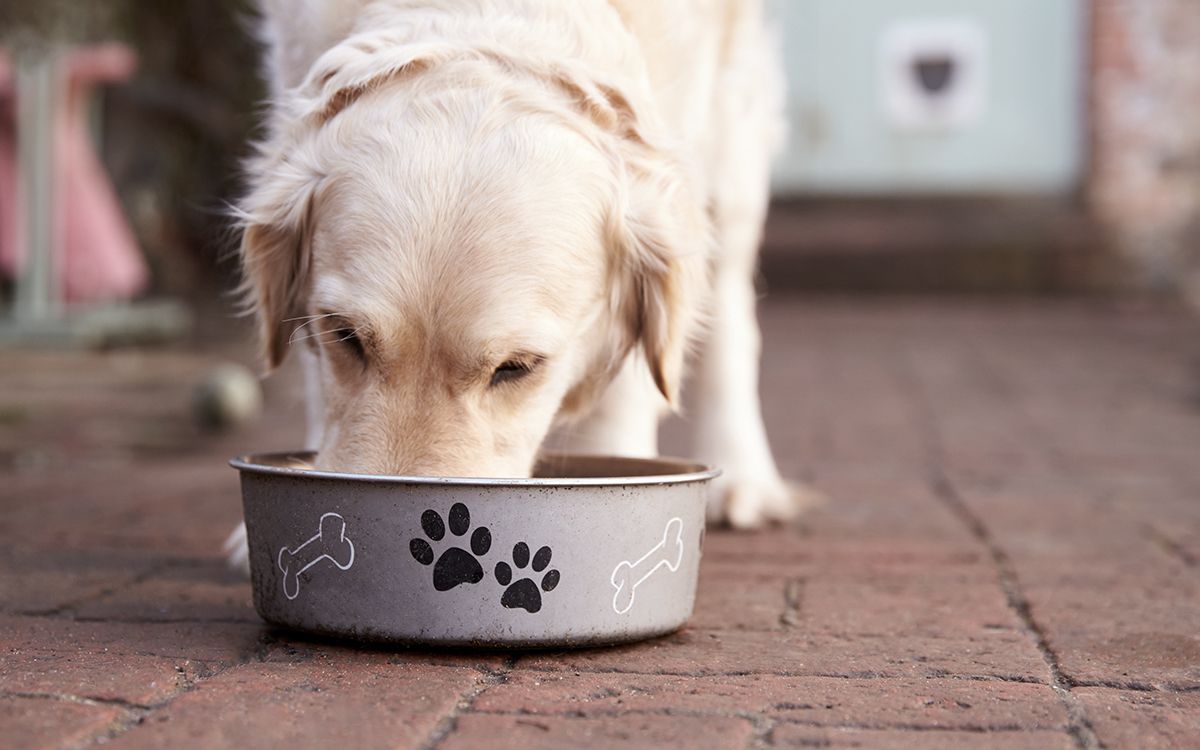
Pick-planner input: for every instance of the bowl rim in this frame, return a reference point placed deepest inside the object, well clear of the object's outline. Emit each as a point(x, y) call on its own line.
point(687, 472)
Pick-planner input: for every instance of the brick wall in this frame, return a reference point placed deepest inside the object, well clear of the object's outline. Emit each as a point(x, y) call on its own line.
point(1145, 181)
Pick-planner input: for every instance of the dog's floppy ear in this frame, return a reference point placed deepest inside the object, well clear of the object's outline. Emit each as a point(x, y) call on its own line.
point(275, 252)
point(276, 215)
point(663, 244)
point(659, 233)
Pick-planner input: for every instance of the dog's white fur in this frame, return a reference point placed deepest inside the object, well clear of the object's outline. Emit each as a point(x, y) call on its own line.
point(575, 188)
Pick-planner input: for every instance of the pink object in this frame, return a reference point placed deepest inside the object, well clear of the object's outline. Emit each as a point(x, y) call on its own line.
point(99, 259)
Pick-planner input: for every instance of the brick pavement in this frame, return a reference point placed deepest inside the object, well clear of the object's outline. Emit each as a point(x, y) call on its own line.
point(1012, 560)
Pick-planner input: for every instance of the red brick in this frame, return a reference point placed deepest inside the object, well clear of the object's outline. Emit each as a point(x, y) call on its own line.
point(363, 702)
point(1143, 720)
point(826, 541)
point(826, 701)
point(1069, 524)
point(193, 592)
point(744, 596)
point(615, 733)
point(900, 505)
point(829, 549)
point(1137, 658)
point(790, 735)
point(31, 723)
point(45, 579)
point(129, 677)
point(296, 648)
point(775, 546)
point(1001, 654)
point(951, 601)
point(175, 508)
point(134, 662)
point(1142, 630)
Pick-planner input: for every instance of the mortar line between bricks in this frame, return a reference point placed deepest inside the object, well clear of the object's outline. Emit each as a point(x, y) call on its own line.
point(133, 717)
point(881, 676)
point(1166, 688)
point(54, 615)
point(446, 726)
point(763, 726)
point(137, 714)
point(63, 609)
point(86, 700)
point(1078, 725)
point(153, 569)
point(1170, 546)
point(751, 717)
point(944, 491)
point(793, 592)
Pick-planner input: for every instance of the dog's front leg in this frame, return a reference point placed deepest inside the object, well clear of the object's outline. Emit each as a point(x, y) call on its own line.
point(730, 431)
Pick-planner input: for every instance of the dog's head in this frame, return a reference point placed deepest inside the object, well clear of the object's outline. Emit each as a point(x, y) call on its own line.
point(471, 249)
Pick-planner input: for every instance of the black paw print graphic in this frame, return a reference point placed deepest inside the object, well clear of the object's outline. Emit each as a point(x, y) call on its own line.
point(524, 594)
point(455, 565)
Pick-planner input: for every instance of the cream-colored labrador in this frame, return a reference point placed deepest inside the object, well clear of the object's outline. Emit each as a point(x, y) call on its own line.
point(482, 220)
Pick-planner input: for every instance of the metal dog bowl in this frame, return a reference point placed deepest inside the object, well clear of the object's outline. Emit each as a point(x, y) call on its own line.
point(593, 550)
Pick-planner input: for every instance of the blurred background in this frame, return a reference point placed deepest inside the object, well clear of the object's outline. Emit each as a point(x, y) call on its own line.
point(1015, 149)
point(936, 145)
point(969, 145)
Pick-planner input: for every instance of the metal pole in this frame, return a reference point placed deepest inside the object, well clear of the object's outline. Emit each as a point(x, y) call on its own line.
point(37, 295)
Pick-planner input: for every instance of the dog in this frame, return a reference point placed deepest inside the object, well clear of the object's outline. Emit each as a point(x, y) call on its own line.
point(482, 222)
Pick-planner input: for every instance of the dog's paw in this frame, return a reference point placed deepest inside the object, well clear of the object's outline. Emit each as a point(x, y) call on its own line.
point(748, 503)
point(237, 554)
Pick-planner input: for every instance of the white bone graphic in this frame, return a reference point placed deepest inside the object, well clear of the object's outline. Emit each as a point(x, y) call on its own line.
point(627, 576)
point(329, 543)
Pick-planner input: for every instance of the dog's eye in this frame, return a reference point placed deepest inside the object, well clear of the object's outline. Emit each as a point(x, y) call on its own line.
point(348, 337)
point(511, 370)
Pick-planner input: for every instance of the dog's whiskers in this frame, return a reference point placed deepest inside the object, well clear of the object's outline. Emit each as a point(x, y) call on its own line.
point(297, 339)
point(311, 318)
point(308, 320)
point(347, 334)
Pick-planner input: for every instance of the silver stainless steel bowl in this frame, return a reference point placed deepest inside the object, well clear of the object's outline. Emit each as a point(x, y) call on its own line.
point(593, 550)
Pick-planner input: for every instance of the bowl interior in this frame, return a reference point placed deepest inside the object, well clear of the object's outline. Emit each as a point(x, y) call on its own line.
point(551, 469)
point(571, 466)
